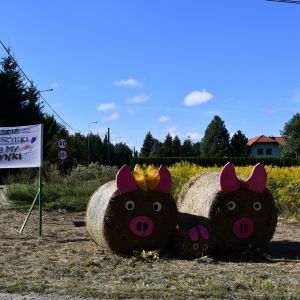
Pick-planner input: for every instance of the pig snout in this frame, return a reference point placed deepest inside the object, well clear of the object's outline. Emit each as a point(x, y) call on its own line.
point(243, 228)
point(141, 226)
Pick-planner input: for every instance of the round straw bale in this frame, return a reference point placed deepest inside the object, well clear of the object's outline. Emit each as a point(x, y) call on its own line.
point(123, 217)
point(194, 237)
point(242, 211)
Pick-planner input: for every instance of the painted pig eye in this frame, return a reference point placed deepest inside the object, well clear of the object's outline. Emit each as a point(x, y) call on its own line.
point(129, 205)
point(231, 205)
point(257, 205)
point(204, 247)
point(195, 247)
point(157, 206)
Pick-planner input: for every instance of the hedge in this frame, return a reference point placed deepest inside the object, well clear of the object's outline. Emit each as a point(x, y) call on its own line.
point(215, 161)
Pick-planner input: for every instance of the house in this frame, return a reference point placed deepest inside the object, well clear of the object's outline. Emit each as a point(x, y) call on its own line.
point(265, 146)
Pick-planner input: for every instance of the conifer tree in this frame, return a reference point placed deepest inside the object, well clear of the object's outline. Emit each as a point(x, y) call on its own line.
point(147, 145)
point(176, 147)
point(19, 104)
point(238, 145)
point(215, 142)
point(167, 146)
point(187, 148)
point(156, 150)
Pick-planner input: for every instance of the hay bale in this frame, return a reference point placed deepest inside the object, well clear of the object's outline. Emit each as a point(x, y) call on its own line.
point(194, 237)
point(124, 217)
point(242, 211)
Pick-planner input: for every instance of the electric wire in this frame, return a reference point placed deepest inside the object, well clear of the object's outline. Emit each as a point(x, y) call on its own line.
point(286, 1)
point(40, 95)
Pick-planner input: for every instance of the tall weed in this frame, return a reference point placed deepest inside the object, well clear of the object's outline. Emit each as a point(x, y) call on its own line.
point(70, 192)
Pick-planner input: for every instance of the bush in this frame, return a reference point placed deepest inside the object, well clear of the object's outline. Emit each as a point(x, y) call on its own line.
point(22, 194)
point(215, 161)
point(70, 192)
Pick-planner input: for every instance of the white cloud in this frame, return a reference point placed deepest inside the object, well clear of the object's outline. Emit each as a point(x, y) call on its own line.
point(172, 131)
point(79, 86)
point(138, 99)
point(129, 112)
point(194, 136)
point(197, 97)
point(131, 83)
point(164, 118)
point(54, 85)
point(271, 110)
point(113, 117)
point(106, 106)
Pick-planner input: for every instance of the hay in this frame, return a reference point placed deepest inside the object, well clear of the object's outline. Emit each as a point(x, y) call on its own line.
point(194, 237)
point(245, 216)
point(130, 220)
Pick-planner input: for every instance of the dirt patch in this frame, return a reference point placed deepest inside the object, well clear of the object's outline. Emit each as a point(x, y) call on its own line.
point(66, 262)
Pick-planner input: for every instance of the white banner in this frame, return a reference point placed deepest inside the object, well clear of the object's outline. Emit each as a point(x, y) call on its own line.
point(21, 147)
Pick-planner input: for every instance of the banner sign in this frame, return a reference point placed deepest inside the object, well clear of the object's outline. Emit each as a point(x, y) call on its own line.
point(21, 147)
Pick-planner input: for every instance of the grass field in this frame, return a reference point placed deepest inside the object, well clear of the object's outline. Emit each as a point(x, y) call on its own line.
point(72, 192)
point(67, 262)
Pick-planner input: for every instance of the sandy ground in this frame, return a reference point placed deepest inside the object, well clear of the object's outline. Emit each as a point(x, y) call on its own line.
point(66, 262)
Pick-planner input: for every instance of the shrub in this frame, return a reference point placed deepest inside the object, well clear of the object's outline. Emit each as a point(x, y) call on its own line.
point(22, 194)
point(70, 192)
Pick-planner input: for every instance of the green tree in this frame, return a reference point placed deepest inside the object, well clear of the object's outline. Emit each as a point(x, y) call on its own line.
point(95, 147)
point(187, 148)
point(291, 132)
point(147, 145)
point(53, 131)
point(197, 149)
point(122, 155)
point(176, 146)
point(157, 149)
point(19, 103)
point(167, 146)
point(238, 145)
point(215, 142)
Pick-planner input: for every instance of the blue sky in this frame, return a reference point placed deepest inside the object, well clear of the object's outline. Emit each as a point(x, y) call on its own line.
point(161, 66)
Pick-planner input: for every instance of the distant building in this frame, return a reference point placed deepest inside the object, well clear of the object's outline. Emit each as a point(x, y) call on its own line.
point(265, 146)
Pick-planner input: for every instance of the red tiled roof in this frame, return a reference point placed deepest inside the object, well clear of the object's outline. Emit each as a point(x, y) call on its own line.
point(265, 139)
point(280, 140)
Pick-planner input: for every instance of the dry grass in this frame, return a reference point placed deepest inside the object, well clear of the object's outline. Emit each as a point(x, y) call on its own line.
point(66, 261)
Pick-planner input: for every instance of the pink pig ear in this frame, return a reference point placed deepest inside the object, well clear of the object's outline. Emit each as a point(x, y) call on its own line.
point(165, 182)
point(258, 179)
point(125, 181)
point(228, 179)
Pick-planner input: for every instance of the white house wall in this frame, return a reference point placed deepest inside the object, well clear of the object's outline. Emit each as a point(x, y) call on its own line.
point(264, 146)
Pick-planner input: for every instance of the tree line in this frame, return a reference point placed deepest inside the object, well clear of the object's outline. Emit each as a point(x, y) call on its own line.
point(21, 105)
point(215, 143)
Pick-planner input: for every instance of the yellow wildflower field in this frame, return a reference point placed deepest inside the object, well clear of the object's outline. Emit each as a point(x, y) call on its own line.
point(284, 183)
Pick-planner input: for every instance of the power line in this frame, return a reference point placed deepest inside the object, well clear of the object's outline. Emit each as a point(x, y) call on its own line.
point(286, 1)
point(40, 95)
